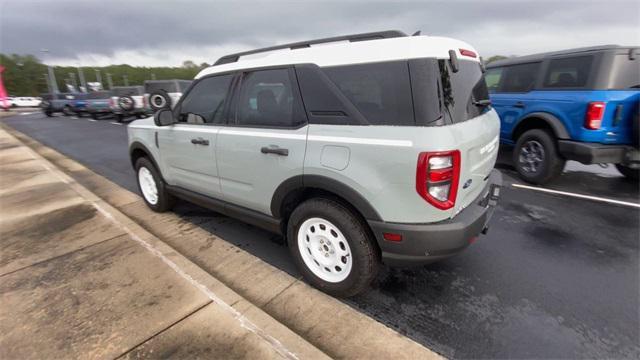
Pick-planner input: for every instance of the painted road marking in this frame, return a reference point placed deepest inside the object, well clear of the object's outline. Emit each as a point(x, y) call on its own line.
point(579, 196)
point(74, 118)
point(26, 113)
point(92, 120)
point(116, 123)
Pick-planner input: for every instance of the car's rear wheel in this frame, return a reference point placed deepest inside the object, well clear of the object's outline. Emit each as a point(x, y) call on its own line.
point(119, 117)
point(332, 247)
point(628, 172)
point(48, 113)
point(152, 187)
point(536, 157)
point(94, 116)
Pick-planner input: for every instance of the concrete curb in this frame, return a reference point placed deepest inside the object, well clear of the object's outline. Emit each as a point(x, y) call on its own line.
point(251, 286)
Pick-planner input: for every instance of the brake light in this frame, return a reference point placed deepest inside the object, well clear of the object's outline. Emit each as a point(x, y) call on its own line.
point(469, 53)
point(437, 177)
point(595, 112)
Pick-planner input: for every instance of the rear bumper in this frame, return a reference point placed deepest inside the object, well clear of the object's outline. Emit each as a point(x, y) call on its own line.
point(594, 153)
point(426, 243)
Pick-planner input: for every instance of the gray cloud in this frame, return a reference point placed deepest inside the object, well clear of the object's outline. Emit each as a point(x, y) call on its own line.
point(164, 31)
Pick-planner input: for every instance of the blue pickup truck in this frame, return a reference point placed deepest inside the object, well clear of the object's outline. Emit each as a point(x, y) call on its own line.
point(580, 104)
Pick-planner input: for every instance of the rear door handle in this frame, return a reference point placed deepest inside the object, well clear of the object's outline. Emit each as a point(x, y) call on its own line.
point(519, 104)
point(274, 150)
point(200, 141)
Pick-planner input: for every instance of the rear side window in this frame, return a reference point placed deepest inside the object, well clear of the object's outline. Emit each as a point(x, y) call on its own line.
point(205, 102)
point(381, 91)
point(568, 72)
point(492, 78)
point(269, 99)
point(519, 78)
point(168, 86)
point(625, 73)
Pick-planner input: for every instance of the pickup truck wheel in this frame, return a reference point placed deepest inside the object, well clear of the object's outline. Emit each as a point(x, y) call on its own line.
point(48, 113)
point(94, 116)
point(332, 247)
point(67, 110)
point(152, 187)
point(629, 173)
point(119, 117)
point(536, 157)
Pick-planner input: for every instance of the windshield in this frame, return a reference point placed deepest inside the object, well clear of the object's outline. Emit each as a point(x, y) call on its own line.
point(463, 92)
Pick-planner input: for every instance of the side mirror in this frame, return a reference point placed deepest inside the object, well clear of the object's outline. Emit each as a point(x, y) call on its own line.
point(163, 117)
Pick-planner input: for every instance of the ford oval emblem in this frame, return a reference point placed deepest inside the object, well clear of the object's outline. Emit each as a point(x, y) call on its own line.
point(467, 184)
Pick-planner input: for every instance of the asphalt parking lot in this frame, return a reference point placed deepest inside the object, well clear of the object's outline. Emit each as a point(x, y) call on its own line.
point(556, 277)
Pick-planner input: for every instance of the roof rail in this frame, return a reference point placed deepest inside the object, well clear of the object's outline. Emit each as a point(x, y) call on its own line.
point(305, 44)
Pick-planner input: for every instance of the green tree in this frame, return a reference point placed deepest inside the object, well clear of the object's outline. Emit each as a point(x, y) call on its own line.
point(495, 58)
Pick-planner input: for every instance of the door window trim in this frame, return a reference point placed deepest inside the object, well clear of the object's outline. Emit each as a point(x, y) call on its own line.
point(176, 110)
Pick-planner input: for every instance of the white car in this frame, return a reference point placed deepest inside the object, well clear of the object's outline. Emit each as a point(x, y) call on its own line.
point(25, 102)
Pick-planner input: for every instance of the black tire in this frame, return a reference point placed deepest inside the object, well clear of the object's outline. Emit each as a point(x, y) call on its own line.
point(119, 117)
point(365, 254)
point(48, 113)
point(165, 201)
point(159, 100)
point(67, 110)
point(629, 173)
point(126, 103)
point(550, 164)
point(94, 116)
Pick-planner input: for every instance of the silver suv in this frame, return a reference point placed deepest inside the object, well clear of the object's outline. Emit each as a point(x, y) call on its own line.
point(370, 148)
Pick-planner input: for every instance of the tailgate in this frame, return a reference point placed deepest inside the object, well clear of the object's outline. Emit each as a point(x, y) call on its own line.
point(478, 141)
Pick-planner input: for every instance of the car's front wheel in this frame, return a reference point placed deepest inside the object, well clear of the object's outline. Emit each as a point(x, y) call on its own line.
point(332, 247)
point(152, 186)
point(536, 157)
point(67, 111)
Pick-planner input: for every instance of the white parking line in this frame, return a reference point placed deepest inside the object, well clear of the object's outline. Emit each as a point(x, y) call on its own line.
point(92, 120)
point(116, 123)
point(579, 196)
point(74, 117)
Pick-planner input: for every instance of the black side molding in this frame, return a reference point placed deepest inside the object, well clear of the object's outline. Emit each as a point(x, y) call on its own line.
point(252, 217)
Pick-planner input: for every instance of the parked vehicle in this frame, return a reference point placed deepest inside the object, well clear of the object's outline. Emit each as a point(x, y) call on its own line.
point(128, 101)
point(579, 104)
point(374, 147)
point(97, 104)
point(164, 94)
point(60, 102)
point(23, 101)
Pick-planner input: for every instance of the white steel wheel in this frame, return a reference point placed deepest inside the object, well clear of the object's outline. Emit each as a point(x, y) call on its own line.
point(148, 185)
point(324, 250)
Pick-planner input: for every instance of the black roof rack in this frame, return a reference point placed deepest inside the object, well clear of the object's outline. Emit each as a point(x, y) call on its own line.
point(305, 44)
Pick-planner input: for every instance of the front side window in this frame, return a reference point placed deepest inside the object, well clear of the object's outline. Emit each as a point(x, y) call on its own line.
point(492, 78)
point(520, 78)
point(381, 92)
point(204, 104)
point(568, 72)
point(268, 99)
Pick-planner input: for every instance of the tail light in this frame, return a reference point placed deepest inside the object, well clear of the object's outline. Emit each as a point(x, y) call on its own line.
point(144, 102)
point(437, 177)
point(595, 111)
point(112, 103)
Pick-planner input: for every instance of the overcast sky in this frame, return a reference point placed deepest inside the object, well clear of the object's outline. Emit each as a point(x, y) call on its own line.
point(155, 33)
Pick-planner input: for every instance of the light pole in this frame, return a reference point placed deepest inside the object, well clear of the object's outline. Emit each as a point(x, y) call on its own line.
point(83, 83)
point(53, 86)
point(109, 81)
point(99, 77)
point(125, 79)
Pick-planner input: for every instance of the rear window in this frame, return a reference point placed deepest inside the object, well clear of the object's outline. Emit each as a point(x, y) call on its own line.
point(168, 86)
point(128, 91)
point(568, 72)
point(625, 73)
point(99, 95)
point(519, 78)
point(381, 91)
point(461, 90)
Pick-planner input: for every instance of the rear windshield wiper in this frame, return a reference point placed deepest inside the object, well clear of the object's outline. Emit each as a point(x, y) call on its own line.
point(483, 103)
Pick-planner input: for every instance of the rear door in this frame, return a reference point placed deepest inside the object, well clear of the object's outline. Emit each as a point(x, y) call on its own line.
point(511, 94)
point(474, 126)
point(187, 148)
point(265, 142)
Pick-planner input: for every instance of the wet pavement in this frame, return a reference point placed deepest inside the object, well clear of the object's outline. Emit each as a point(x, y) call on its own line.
point(555, 277)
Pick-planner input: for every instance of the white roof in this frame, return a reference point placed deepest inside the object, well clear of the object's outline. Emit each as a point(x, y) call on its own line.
point(346, 53)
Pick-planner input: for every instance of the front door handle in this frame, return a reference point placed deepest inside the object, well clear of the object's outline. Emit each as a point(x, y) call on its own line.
point(274, 150)
point(200, 141)
point(519, 104)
